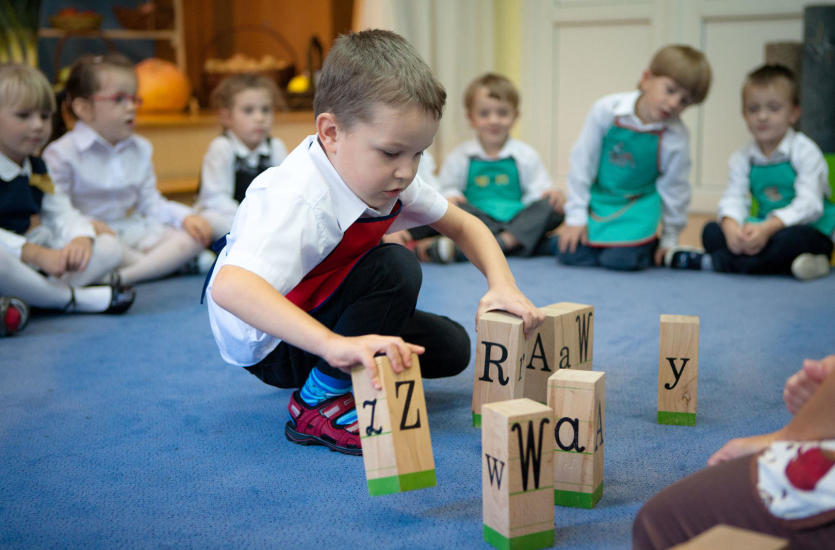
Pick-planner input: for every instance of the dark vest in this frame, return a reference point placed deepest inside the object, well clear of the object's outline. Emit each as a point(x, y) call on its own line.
point(20, 199)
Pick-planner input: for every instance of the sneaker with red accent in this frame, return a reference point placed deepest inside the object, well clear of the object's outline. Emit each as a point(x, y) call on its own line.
point(316, 425)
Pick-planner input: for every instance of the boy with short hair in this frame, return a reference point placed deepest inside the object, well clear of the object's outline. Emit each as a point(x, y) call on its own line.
point(302, 291)
point(630, 168)
point(498, 179)
point(774, 216)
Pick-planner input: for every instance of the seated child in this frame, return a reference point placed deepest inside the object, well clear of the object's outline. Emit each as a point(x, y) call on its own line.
point(498, 179)
point(49, 252)
point(107, 172)
point(303, 289)
point(774, 216)
point(245, 104)
point(630, 167)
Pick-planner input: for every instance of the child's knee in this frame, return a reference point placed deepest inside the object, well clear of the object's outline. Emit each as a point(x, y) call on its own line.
point(626, 258)
point(398, 266)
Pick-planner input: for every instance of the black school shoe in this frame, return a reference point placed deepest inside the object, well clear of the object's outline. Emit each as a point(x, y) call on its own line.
point(121, 298)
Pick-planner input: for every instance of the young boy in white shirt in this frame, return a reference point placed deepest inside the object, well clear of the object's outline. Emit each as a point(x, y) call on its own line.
point(775, 216)
point(302, 292)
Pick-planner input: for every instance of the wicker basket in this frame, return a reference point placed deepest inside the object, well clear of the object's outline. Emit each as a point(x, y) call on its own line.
point(281, 75)
point(76, 22)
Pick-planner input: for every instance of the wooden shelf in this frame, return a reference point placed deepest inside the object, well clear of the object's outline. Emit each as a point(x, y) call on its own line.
point(116, 34)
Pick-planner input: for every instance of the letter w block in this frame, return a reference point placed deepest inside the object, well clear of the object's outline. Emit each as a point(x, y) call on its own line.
point(394, 429)
point(678, 370)
point(517, 471)
point(578, 399)
point(500, 353)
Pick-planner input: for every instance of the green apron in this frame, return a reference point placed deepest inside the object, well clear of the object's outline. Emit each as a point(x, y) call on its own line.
point(772, 187)
point(493, 187)
point(625, 207)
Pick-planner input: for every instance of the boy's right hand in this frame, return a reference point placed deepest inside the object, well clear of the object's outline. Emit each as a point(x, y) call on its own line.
point(733, 235)
point(570, 236)
point(346, 351)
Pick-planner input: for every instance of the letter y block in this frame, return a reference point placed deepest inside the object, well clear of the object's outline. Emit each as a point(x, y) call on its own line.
point(678, 370)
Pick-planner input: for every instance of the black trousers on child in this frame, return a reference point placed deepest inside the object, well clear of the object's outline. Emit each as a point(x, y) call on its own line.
point(775, 258)
point(377, 297)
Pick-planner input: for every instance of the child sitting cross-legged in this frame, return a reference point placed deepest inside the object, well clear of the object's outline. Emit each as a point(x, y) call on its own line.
point(50, 256)
point(303, 289)
point(776, 215)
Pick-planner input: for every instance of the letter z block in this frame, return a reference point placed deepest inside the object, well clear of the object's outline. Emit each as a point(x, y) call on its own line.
point(578, 399)
point(678, 370)
point(498, 373)
point(394, 429)
point(516, 476)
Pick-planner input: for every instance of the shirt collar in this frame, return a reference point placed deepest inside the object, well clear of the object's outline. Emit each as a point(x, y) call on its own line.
point(9, 169)
point(241, 150)
point(781, 153)
point(475, 149)
point(625, 108)
point(85, 137)
point(348, 206)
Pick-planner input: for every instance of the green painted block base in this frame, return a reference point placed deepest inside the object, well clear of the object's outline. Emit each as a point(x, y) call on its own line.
point(402, 483)
point(677, 419)
point(476, 420)
point(543, 539)
point(578, 500)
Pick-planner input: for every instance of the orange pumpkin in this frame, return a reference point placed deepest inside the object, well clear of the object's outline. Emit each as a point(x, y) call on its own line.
point(162, 86)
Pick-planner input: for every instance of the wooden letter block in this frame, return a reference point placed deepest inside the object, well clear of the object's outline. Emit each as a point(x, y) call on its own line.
point(726, 536)
point(564, 341)
point(678, 370)
point(516, 474)
point(578, 399)
point(500, 351)
point(394, 429)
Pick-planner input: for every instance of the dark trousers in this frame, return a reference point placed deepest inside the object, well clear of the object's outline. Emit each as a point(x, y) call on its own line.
point(529, 226)
point(620, 258)
point(777, 255)
point(377, 297)
point(726, 494)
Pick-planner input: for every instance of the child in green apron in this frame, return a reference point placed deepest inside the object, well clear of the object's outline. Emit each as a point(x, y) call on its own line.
point(775, 216)
point(630, 168)
point(498, 179)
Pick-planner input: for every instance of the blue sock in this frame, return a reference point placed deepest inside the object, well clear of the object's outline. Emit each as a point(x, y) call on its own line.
point(320, 386)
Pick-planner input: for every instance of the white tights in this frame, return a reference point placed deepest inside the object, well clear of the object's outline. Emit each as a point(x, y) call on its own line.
point(170, 253)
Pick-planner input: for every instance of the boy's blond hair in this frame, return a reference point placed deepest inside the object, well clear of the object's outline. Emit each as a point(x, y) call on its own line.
point(498, 87)
point(687, 66)
point(223, 96)
point(765, 75)
point(24, 87)
point(374, 66)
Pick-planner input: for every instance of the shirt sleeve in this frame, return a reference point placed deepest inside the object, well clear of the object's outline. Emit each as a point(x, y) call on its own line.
point(426, 170)
point(453, 176)
point(674, 186)
point(736, 200)
point(152, 204)
point(584, 160)
point(810, 185)
point(12, 242)
point(534, 177)
point(216, 178)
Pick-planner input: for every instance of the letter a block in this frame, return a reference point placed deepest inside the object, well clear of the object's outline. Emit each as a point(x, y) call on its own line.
point(516, 474)
point(678, 370)
point(394, 429)
point(564, 341)
point(578, 399)
point(499, 353)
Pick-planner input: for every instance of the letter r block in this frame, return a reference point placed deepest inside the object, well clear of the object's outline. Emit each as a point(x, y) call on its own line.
point(516, 478)
point(394, 429)
point(500, 349)
point(678, 370)
point(578, 399)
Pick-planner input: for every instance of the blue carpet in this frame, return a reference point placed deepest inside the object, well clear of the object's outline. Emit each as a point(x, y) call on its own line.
point(131, 431)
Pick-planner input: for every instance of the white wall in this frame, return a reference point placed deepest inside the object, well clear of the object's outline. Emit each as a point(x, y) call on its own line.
point(576, 51)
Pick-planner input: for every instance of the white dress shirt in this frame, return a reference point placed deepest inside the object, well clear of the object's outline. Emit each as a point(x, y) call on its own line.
point(292, 217)
point(64, 222)
point(533, 178)
point(811, 184)
point(674, 163)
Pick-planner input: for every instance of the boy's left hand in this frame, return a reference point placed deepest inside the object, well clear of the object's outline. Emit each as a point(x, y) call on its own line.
point(512, 300)
point(556, 199)
point(198, 228)
point(659, 255)
point(76, 255)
